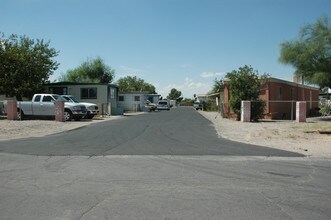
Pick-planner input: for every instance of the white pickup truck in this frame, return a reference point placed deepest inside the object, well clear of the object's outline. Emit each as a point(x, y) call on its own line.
point(43, 105)
point(92, 109)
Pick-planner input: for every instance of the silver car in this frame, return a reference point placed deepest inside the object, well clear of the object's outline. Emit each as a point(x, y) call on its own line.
point(163, 105)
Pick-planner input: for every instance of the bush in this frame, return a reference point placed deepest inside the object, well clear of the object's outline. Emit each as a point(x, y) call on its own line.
point(210, 105)
point(257, 109)
point(245, 84)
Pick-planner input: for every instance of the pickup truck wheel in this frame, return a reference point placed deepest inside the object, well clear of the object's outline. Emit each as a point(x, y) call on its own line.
point(90, 117)
point(20, 114)
point(67, 115)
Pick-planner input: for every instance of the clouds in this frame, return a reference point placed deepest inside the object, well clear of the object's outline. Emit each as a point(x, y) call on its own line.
point(124, 71)
point(131, 70)
point(212, 74)
point(188, 87)
point(186, 66)
point(188, 83)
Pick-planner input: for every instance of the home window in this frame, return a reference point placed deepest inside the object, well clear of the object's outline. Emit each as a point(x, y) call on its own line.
point(279, 93)
point(292, 93)
point(121, 98)
point(150, 98)
point(137, 98)
point(88, 93)
point(58, 90)
point(112, 93)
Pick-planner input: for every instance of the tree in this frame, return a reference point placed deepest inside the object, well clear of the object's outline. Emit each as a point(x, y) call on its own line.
point(90, 71)
point(218, 86)
point(134, 84)
point(311, 53)
point(245, 85)
point(25, 65)
point(174, 94)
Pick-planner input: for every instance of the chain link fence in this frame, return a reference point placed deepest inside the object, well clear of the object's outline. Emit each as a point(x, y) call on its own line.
point(325, 107)
point(286, 110)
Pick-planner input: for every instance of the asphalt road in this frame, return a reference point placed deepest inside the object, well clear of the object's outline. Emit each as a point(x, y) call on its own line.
point(163, 187)
point(181, 131)
point(163, 165)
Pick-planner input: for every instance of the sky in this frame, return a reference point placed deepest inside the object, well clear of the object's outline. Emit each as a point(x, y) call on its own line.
point(182, 44)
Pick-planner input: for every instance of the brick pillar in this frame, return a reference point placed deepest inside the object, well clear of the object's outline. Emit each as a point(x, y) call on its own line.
point(301, 111)
point(12, 110)
point(226, 101)
point(245, 111)
point(59, 110)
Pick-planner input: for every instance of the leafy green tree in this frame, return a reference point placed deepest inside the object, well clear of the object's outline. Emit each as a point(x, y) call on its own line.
point(90, 71)
point(245, 84)
point(25, 65)
point(311, 53)
point(218, 86)
point(175, 95)
point(134, 84)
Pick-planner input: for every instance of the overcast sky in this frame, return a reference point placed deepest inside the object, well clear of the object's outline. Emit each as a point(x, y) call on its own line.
point(182, 44)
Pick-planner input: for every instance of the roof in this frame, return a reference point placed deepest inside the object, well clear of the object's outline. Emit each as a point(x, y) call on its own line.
point(138, 93)
point(210, 95)
point(74, 83)
point(271, 79)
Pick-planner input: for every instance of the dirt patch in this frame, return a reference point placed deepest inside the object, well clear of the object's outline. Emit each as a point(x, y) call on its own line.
point(312, 138)
point(38, 128)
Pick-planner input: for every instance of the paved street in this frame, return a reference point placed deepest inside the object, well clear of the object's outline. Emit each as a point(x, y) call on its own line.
point(181, 131)
point(163, 165)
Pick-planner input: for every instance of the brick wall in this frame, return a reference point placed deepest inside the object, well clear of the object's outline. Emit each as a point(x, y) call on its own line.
point(278, 94)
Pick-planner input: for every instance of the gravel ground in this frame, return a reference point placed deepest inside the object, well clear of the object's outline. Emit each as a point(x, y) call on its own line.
point(38, 128)
point(303, 138)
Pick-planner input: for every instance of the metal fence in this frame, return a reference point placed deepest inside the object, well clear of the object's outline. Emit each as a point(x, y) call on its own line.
point(325, 107)
point(286, 110)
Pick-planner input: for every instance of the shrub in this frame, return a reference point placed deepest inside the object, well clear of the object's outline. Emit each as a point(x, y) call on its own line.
point(257, 109)
point(245, 84)
point(210, 105)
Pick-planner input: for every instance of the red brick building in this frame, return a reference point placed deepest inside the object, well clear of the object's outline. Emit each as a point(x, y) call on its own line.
point(280, 97)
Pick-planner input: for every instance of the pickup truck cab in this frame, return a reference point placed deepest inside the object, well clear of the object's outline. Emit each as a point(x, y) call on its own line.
point(43, 105)
point(92, 109)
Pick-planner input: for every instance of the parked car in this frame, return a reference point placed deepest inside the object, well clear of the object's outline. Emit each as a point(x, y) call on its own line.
point(163, 105)
point(197, 105)
point(43, 105)
point(150, 106)
point(92, 109)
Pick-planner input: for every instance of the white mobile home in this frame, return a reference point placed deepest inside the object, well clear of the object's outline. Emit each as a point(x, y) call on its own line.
point(105, 95)
point(136, 101)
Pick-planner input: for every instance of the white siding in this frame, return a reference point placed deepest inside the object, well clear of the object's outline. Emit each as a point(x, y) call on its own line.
point(130, 103)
